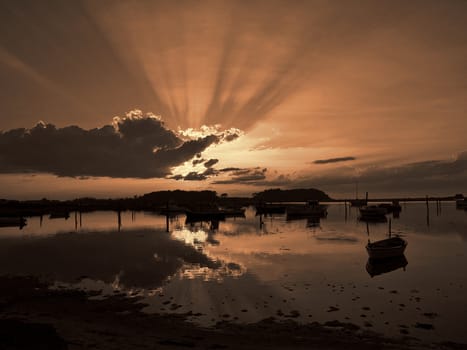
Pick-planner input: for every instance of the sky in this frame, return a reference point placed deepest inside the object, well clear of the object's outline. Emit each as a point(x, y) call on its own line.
point(117, 98)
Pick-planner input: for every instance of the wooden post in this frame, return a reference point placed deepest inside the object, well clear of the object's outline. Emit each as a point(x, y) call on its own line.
point(389, 228)
point(167, 224)
point(119, 219)
point(427, 212)
point(368, 231)
point(76, 220)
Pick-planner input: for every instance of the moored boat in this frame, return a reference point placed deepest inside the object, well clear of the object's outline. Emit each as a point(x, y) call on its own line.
point(208, 216)
point(358, 202)
point(58, 214)
point(12, 222)
point(373, 213)
point(310, 209)
point(269, 209)
point(233, 212)
point(461, 203)
point(391, 207)
point(386, 248)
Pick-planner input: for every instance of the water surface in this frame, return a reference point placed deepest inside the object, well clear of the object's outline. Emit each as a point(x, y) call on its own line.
point(244, 272)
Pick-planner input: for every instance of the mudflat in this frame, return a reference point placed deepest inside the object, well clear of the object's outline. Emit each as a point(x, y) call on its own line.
point(35, 316)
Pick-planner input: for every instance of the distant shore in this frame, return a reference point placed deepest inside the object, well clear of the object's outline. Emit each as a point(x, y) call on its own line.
point(190, 200)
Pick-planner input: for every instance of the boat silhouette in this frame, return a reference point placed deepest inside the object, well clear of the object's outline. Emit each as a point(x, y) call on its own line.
point(390, 247)
point(269, 209)
point(13, 222)
point(373, 213)
point(386, 248)
point(310, 209)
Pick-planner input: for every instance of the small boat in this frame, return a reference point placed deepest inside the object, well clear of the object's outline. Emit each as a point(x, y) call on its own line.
point(373, 213)
point(233, 212)
point(171, 210)
point(386, 248)
point(12, 222)
point(208, 216)
point(311, 209)
point(59, 215)
point(358, 202)
point(269, 209)
point(376, 267)
point(391, 207)
point(313, 221)
point(461, 203)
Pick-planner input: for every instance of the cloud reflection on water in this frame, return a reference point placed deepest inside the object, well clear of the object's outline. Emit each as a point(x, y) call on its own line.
point(135, 259)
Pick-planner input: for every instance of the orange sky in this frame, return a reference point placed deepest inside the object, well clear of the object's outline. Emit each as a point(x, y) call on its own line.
point(376, 88)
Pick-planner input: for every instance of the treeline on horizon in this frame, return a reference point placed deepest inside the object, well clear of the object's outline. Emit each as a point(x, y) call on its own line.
point(157, 200)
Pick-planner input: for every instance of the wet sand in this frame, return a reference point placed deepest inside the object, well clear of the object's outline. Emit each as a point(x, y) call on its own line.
point(34, 316)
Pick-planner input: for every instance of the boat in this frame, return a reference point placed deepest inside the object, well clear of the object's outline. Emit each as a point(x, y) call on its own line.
point(311, 209)
point(233, 212)
point(59, 215)
point(386, 248)
point(373, 213)
point(171, 210)
point(269, 209)
point(313, 221)
point(12, 222)
point(358, 202)
point(461, 203)
point(376, 267)
point(208, 216)
point(391, 207)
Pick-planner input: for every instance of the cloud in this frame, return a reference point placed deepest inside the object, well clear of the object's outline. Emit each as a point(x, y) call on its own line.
point(136, 146)
point(194, 176)
point(246, 176)
point(142, 263)
point(211, 162)
point(333, 160)
point(237, 175)
point(427, 177)
point(197, 161)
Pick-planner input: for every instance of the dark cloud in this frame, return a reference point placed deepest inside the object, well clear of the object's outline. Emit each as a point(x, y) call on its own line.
point(238, 175)
point(211, 162)
point(194, 176)
point(211, 172)
point(229, 169)
point(333, 160)
point(198, 161)
point(138, 146)
point(246, 176)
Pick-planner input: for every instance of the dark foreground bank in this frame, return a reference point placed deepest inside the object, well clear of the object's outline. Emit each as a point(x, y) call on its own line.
point(36, 317)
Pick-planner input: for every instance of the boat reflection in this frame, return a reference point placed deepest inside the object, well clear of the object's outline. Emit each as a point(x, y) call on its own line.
point(313, 222)
point(13, 222)
point(376, 267)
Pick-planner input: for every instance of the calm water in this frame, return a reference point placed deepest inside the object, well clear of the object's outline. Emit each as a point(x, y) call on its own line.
point(243, 272)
